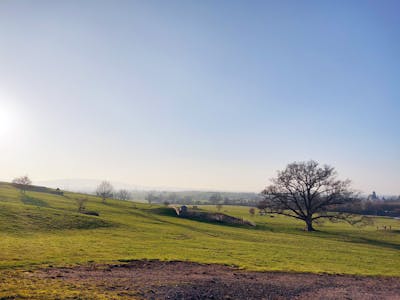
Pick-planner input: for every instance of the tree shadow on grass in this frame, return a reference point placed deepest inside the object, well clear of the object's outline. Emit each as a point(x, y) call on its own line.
point(293, 230)
point(343, 237)
point(332, 235)
point(33, 201)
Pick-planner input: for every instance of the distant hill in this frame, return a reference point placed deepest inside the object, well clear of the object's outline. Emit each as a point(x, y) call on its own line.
point(89, 185)
point(82, 185)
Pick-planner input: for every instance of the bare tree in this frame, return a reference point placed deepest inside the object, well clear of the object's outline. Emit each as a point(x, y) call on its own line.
point(81, 202)
point(124, 195)
point(310, 193)
point(219, 206)
point(252, 211)
point(22, 183)
point(105, 190)
point(150, 198)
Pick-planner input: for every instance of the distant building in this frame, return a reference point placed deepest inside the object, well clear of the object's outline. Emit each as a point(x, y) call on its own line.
point(373, 197)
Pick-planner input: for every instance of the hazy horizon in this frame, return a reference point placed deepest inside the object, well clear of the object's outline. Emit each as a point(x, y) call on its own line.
point(201, 95)
point(90, 185)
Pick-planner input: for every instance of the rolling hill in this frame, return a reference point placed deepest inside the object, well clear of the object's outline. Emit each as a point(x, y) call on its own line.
point(41, 229)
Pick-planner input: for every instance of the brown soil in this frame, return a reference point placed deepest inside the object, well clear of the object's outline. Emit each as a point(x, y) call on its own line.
point(185, 280)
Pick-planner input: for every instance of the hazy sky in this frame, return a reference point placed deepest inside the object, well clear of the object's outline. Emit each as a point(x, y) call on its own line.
point(200, 94)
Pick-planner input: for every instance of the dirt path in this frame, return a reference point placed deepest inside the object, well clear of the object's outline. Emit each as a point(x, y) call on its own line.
point(184, 280)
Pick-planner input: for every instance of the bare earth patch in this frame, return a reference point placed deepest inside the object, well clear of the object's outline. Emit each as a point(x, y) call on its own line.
point(185, 280)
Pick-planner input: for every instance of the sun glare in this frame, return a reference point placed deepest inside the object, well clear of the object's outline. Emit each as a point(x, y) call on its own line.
point(7, 121)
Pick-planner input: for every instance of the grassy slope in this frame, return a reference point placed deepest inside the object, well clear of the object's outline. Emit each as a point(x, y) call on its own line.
point(44, 229)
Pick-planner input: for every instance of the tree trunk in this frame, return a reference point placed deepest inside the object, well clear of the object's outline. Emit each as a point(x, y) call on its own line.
point(309, 225)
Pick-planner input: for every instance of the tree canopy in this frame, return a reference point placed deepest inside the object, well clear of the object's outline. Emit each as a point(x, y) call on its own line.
point(105, 190)
point(308, 192)
point(22, 182)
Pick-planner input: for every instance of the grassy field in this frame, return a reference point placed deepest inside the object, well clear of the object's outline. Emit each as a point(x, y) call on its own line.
point(42, 229)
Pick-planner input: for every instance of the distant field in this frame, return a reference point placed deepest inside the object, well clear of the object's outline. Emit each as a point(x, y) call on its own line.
point(42, 229)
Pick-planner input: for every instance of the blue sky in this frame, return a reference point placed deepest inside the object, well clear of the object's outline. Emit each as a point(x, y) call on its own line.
point(200, 94)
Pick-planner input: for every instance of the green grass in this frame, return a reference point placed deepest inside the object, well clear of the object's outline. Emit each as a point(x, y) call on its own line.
point(39, 229)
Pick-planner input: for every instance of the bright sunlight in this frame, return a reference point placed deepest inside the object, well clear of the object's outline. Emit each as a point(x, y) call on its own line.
point(8, 121)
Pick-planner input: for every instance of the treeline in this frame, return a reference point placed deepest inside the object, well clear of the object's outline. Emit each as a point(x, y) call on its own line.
point(389, 207)
point(199, 198)
point(106, 190)
point(365, 206)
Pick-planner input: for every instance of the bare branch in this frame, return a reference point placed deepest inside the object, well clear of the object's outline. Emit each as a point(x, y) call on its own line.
point(306, 191)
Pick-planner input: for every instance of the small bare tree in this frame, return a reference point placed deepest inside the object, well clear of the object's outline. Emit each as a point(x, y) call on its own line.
point(81, 202)
point(219, 206)
point(22, 183)
point(252, 211)
point(105, 190)
point(124, 195)
point(150, 198)
point(310, 193)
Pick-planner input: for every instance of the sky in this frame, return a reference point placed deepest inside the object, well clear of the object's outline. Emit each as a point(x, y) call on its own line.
point(200, 94)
